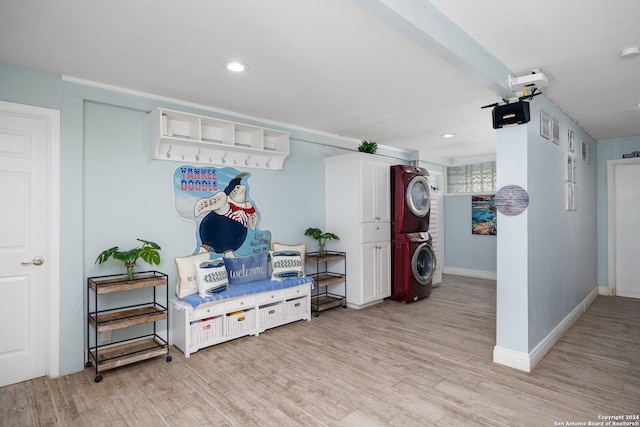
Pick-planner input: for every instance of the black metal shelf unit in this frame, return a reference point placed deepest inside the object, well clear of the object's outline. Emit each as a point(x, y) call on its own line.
point(322, 298)
point(131, 350)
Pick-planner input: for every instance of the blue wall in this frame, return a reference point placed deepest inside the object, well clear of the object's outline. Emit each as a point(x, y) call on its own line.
point(562, 244)
point(464, 250)
point(112, 192)
point(548, 257)
point(608, 150)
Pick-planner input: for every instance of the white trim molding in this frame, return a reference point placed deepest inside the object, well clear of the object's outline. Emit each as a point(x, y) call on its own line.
point(526, 362)
point(605, 290)
point(466, 272)
point(511, 358)
point(611, 224)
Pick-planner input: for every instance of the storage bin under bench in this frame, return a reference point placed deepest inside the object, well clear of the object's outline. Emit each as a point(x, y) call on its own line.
point(245, 309)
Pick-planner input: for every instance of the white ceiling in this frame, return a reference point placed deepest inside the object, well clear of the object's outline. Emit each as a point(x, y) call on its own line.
point(334, 67)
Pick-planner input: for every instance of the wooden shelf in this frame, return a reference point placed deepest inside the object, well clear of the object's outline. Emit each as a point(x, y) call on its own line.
point(119, 283)
point(128, 352)
point(325, 302)
point(326, 279)
point(126, 318)
point(330, 256)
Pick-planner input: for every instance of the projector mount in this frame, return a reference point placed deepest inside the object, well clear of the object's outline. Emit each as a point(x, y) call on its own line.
point(527, 97)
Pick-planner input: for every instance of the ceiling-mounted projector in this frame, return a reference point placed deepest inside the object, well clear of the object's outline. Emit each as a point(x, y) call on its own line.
point(535, 80)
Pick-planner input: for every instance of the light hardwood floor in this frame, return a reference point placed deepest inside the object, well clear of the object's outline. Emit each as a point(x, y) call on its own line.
point(425, 363)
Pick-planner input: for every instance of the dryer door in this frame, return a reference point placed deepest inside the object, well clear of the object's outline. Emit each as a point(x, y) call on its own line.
point(418, 196)
point(423, 263)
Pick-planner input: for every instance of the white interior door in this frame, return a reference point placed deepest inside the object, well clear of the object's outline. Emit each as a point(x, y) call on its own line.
point(24, 243)
point(625, 176)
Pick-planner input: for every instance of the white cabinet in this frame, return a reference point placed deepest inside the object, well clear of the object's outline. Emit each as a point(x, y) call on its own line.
point(375, 193)
point(376, 271)
point(358, 211)
point(199, 139)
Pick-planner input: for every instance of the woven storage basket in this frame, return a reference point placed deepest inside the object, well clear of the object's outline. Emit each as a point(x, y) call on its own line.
point(271, 315)
point(206, 330)
point(296, 307)
point(240, 322)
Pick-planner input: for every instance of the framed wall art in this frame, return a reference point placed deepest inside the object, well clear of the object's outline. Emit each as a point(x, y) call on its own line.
point(483, 215)
point(571, 141)
point(545, 125)
point(585, 152)
point(570, 175)
point(571, 196)
point(555, 131)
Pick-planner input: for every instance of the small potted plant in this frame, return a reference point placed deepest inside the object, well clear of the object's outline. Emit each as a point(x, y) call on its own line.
point(368, 147)
point(322, 238)
point(148, 251)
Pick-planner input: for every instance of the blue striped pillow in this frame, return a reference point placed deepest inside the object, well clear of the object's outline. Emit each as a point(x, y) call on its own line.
point(285, 265)
point(211, 277)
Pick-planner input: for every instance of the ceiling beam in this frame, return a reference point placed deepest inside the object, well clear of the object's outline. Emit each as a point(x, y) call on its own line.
point(423, 23)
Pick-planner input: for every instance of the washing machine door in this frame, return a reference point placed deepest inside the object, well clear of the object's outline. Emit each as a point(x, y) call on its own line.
point(418, 196)
point(423, 263)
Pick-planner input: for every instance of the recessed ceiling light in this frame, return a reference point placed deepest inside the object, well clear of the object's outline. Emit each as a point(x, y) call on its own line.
point(447, 135)
point(236, 67)
point(630, 52)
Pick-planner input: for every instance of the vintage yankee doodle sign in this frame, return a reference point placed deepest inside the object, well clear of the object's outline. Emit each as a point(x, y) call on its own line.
point(225, 217)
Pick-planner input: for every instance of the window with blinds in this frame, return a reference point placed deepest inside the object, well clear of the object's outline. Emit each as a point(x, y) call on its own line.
point(475, 178)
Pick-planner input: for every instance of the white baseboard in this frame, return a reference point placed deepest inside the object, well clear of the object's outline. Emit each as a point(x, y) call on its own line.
point(526, 362)
point(478, 274)
point(605, 290)
point(511, 358)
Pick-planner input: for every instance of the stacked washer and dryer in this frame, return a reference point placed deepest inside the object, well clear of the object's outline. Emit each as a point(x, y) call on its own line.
point(413, 261)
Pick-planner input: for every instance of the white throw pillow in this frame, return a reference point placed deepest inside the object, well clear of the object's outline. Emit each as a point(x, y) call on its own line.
point(187, 280)
point(286, 265)
point(301, 248)
point(211, 276)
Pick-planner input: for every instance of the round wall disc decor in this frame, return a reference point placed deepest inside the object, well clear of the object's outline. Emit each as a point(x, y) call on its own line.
point(511, 200)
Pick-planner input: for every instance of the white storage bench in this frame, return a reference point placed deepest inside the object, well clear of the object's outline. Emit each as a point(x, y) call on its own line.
point(246, 309)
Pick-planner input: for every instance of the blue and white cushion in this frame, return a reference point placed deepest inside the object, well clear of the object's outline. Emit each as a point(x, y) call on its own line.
point(247, 269)
point(286, 265)
point(187, 274)
point(212, 277)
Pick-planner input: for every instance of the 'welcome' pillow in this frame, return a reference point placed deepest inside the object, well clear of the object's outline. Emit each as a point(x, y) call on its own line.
point(286, 264)
point(211, 277)
point(247, 269)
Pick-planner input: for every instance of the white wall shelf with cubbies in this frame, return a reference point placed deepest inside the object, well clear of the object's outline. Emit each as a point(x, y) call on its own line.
point(189, 137)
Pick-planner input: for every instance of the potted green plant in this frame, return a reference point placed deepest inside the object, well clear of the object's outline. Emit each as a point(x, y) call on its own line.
point(322, 238)
point(148, 251)
point(368, 147)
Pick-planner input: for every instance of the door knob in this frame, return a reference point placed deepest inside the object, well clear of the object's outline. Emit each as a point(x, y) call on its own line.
point(36, 261)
